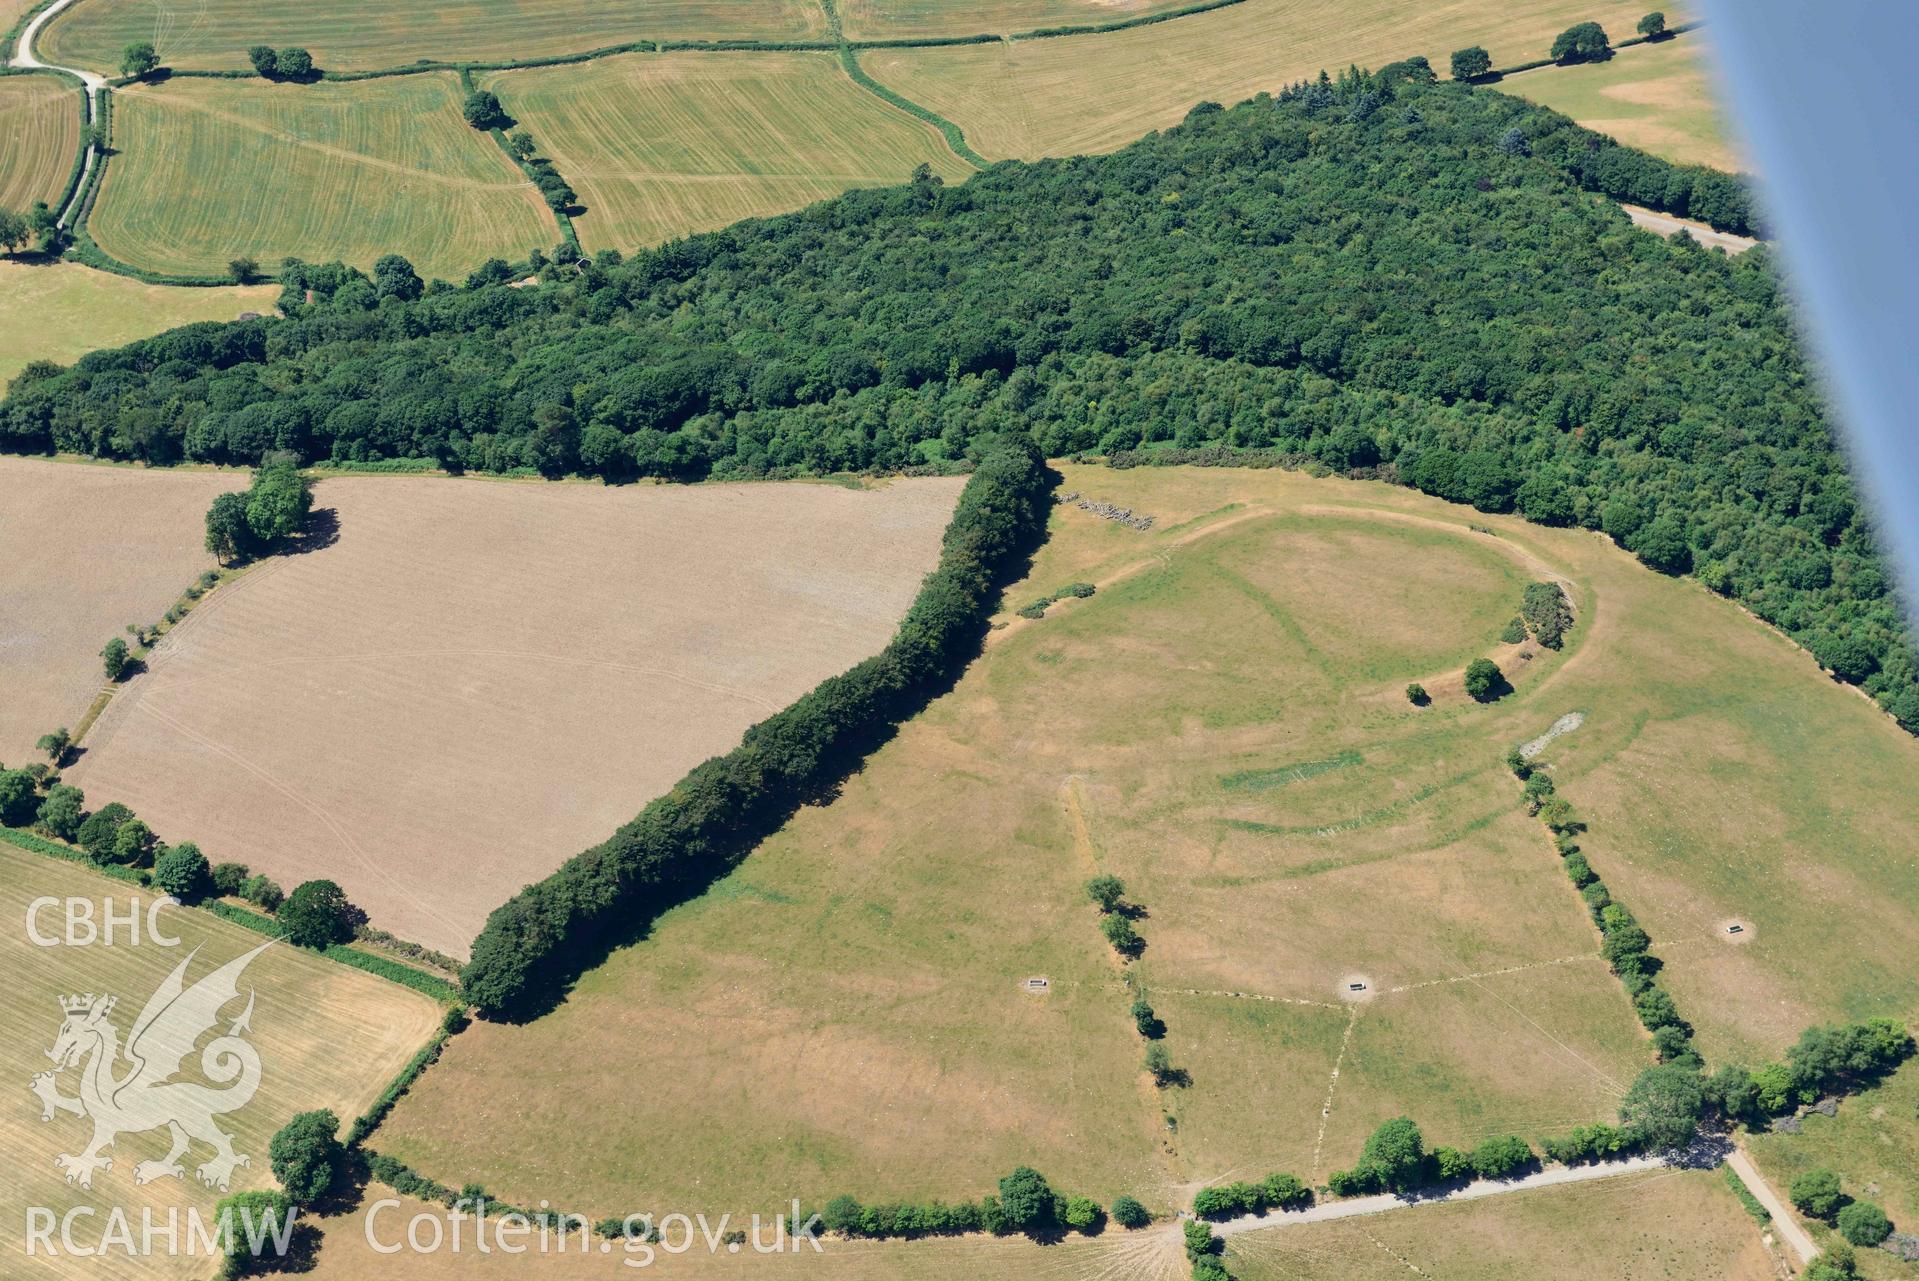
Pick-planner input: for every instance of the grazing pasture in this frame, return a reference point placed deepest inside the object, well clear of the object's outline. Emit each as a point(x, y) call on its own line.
point(359, 35)
point(907, 19)
point(61, 311)
point(1079, 94)
point(39, 137)
point(660, 145)
point(1664, 1223)
point(210, 170)
point(1658, 97)
point(471, 681)
point(327, 1037)
point(867, 962)
point(85, 550)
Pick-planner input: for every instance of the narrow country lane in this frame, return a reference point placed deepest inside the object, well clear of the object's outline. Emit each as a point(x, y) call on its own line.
point(96, 86)
point(1782, 1217)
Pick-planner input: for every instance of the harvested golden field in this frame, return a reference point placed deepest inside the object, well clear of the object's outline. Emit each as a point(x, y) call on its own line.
point(362, 35)
point(658, 146)
point(1077, 94)
point(85, 550)
point(1659, 97)
point(61, 311)
point(322, 172)
point(1639, 1227)
point(40, 126)
point(326, 1036)
point(902, 19)
point(475, 680)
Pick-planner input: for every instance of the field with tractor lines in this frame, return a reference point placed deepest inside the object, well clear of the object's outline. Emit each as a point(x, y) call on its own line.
point(659, 145)
point(1076, 94)
point(210, 170)
point(40, 121)
point(327, 1036)
point(469, 682)
point(363, 35)
point(897, 19)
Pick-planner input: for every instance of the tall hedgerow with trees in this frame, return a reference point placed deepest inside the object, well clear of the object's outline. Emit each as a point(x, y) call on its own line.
point(1582, 42)
point(1599, 377)
point(1471, 62)
point(317, 915)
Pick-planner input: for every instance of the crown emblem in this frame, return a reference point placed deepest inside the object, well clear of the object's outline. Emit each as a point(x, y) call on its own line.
point(83, 1004)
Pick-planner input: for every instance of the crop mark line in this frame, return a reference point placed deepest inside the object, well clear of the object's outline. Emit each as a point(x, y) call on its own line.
point(1611, 1084)
point(1332, 1084)
point(1488, 974)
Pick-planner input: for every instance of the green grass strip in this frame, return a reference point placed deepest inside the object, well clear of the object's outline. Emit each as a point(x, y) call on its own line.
point(1259, 780)
point(955, 136)
point(1746, 1198)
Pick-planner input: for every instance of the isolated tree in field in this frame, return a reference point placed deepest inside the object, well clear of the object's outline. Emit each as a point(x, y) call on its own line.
point(244, 270)
point(1107, 892)
point(1816, 1193)
point(1653, 25)
point(1583, 42)
point(263, 59)
point(1027, 1202)
point(277, 503)
point(182, 872)
point(1129, 1213)
point(394, 277)
point(61, 812)
point(307, 1155)
point(1664, 1105)
point(1863, 1223)
point(1470, 62)
point(113, 659)
point(1416, 695)
point(293, 63)
point(483, 111)
point(138, 59)
point(315, 915)
point(1146, 1021)
point(13, 229)
point(1484, 680)
point(55, 744)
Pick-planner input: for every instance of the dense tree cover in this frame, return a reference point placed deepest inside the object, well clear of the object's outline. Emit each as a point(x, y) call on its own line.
point(1547, 613)
point(182, 871)
point(1356, 273)
point(1274, 1192)
point(533, 943)
point(307, 1155)
point(316, 915)
point(273, 508)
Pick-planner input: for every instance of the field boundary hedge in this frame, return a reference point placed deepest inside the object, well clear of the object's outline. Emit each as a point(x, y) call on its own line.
point(954, 135)
point(537, 942)
point(562, 219)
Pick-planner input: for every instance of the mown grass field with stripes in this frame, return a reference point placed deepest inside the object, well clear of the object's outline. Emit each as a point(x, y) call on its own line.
point(361, 35)
point(212, 169)
point(895, 19)
point(1658, 97)
point(1078, 94)
point(659, 145)
point(39, 137)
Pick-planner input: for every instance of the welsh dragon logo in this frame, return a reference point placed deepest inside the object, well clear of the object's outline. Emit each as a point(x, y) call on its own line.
point(141, 1095)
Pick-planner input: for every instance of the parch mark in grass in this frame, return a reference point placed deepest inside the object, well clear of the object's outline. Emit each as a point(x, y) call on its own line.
point(1260, 780)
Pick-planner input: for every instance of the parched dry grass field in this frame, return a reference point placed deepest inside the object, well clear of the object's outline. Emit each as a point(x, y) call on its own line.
point(662, 145)
point(60, 311)
point(209, 170)
point(85, 550)
point(1641, 1227)
point(898, 19)
point(327, 1036)
point(845, 1012)
point(39, 137)
point(476, 679)
point(1659, 97)
point(364, 34)
point(1079, 94)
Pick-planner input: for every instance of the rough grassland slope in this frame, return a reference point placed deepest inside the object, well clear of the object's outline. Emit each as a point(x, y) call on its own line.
point(477, 680)
point(660, 145)
point(1657, 97)
point(1094, 93)
point(61, 311)
point(85, 550)
point(364, 34)
point(40, 121)
point(213, 169)
point(328, 1037)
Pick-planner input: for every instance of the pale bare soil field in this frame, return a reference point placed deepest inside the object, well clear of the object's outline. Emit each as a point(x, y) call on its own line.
point(85, 550)
point(327, 1036)
point(476, 680)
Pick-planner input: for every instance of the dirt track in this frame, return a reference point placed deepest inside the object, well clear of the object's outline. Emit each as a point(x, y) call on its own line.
point(475, 681)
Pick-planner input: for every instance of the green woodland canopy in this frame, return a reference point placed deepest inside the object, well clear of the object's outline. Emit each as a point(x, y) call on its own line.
point(1405, 279)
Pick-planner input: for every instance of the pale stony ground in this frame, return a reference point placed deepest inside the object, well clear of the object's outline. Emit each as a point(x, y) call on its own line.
point(477, 679)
